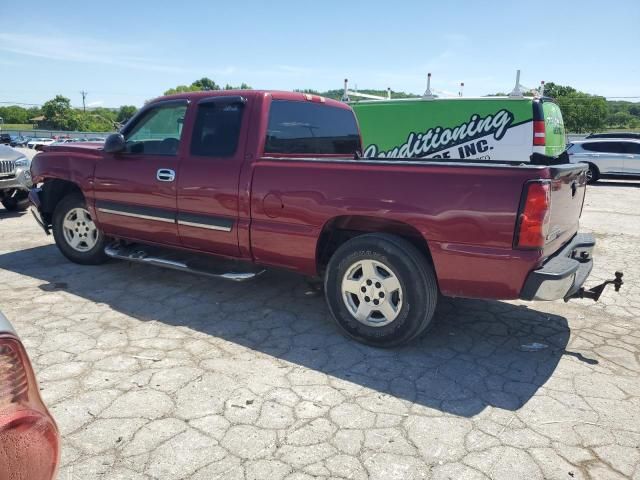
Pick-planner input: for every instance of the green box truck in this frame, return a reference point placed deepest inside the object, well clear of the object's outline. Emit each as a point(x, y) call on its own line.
point(484, 128)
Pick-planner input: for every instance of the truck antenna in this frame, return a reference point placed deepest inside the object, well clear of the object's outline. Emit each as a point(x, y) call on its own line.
point(427, 93)
point(345, 94)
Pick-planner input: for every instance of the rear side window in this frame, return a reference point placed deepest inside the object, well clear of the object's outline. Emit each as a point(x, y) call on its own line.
point(217, 129)
point(305, 127)
point(633, 148)
point(604, 147)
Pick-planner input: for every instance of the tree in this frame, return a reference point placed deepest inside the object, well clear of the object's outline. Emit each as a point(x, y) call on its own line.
point(14, 114)
point(554, 90)
point(620, 119)
point(181, 89)
point(583, 112)
point(60, 115)
point(125, 113)
point(58, 107)
point(205, 83)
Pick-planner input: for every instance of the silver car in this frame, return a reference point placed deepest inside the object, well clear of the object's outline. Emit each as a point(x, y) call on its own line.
point(611, 156)
point(15, 179)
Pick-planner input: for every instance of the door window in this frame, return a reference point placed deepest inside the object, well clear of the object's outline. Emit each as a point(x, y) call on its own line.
point(157, 131)
point(217, 129)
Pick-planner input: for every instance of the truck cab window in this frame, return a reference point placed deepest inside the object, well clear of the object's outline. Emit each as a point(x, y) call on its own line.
point(311, 128)
point(217, 129)
point(157, 132)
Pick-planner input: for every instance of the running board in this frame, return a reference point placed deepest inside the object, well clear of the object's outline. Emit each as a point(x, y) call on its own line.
point(190, 263)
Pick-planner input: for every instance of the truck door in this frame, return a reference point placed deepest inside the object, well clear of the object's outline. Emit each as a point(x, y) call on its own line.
point(632, 160)
point(135, 190)
point(208, 179)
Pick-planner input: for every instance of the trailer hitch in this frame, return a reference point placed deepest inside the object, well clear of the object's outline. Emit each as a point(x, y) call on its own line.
point(595, 292)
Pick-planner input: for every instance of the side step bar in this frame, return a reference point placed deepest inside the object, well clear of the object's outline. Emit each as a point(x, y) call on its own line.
point(168, 259)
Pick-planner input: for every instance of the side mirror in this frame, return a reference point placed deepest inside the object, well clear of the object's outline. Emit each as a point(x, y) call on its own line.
point(114, 143)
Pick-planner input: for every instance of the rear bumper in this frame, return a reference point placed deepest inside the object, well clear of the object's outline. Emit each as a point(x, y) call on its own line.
point(563, 274)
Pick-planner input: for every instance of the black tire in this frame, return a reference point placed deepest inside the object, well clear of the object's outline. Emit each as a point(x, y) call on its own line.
point(93, 256)
point(593, 174)
point(419, 289)
point(17, 203)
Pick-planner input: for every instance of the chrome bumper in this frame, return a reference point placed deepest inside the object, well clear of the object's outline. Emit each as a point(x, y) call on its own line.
point(564, 274)
point(21, 180)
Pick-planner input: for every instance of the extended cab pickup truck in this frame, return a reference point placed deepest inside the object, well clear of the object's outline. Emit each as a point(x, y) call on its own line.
point(274, 179)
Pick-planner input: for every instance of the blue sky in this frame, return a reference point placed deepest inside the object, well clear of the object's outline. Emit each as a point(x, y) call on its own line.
point(127, 52)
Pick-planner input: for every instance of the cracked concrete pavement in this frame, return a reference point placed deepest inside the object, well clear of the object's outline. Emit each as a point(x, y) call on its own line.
point(154, 374)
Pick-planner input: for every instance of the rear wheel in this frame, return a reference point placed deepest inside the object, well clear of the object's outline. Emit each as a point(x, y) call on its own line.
point(17, 202)
point(593, 174)
point(76, 234)
point(381, 290)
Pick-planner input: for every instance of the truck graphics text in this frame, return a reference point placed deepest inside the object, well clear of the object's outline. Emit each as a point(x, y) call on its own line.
point(437, 139)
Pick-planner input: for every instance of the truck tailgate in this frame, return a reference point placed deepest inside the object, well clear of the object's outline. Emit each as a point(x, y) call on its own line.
point(568, 186)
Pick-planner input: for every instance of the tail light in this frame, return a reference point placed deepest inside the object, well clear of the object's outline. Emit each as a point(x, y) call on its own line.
point(539, 135)
point(29, 438)
point(533, 219)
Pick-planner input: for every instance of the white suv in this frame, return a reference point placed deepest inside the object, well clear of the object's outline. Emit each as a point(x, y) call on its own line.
point(611, 156)
point(34, 142)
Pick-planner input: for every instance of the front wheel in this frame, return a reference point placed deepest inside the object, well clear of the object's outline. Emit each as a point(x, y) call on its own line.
point(76, 234)
point(16, 203)
point(592, 174)
point(381, 290)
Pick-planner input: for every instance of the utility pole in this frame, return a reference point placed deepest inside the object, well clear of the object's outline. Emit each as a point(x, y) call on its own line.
point(84, 96)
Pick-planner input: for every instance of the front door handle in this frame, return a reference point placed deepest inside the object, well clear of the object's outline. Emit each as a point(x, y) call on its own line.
point(166, 175)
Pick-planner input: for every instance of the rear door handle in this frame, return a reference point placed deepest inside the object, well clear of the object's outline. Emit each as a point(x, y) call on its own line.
point(166, 175)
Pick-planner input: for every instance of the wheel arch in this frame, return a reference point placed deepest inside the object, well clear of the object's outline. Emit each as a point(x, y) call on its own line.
point(340, 229)
point(54, 190)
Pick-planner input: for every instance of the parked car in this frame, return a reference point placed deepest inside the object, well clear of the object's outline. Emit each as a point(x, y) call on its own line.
point(635, 135)
point(29, 438)
point(19, 141)
point(274, 179)
point(5, 139)
point(614, 157)
point(15, 179)
point(35, 142)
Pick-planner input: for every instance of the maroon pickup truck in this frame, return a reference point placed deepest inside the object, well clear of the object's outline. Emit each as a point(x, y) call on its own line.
point(274, 179)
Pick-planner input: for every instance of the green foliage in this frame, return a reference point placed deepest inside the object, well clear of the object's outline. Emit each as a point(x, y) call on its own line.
point(243, 86)
point(125, 113)
point(205, 84)
point(182, 89)
point(583, 113)
point(14, 114)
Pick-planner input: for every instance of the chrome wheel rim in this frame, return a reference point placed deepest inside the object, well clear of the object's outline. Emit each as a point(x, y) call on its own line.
point(372, 293)
point(79, 231)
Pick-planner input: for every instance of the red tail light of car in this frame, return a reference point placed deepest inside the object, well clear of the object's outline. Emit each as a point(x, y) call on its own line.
point(539, 133)
point(533, 220)
point(29, 438)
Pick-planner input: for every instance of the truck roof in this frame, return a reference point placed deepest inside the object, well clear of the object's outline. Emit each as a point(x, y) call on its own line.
point(275, 94)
